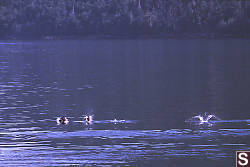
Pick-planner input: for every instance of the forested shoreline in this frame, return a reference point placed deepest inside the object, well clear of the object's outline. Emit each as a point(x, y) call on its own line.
point(52, 19)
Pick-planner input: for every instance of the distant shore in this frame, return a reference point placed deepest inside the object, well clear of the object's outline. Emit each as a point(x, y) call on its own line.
point(95, 19)
point(141, 36)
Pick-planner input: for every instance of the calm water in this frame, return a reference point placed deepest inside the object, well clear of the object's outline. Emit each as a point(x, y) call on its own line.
point(154, 86)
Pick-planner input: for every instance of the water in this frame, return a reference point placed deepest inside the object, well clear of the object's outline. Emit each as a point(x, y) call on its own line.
point(140, 92)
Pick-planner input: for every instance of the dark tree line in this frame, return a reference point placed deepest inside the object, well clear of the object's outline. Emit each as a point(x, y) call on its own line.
point(40, 18)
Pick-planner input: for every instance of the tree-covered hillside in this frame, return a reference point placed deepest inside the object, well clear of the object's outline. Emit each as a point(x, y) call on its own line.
point(40, 18)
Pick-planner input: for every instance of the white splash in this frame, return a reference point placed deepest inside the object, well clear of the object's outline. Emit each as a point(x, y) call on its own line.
point(115, 121)
point(88, 119)
point(205, 118)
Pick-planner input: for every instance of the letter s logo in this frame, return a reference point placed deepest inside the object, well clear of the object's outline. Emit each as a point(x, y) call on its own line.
point(243, 161)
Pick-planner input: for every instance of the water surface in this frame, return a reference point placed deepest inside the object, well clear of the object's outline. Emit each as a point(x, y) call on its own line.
point(153, 85)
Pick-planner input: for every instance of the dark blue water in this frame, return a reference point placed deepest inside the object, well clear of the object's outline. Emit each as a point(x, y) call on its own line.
point(151, 86)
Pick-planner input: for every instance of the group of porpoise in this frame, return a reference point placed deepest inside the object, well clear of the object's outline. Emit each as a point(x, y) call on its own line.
point(63, 120)
point(88, 119)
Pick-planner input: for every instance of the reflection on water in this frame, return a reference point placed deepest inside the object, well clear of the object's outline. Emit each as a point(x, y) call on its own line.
point(140, 92)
